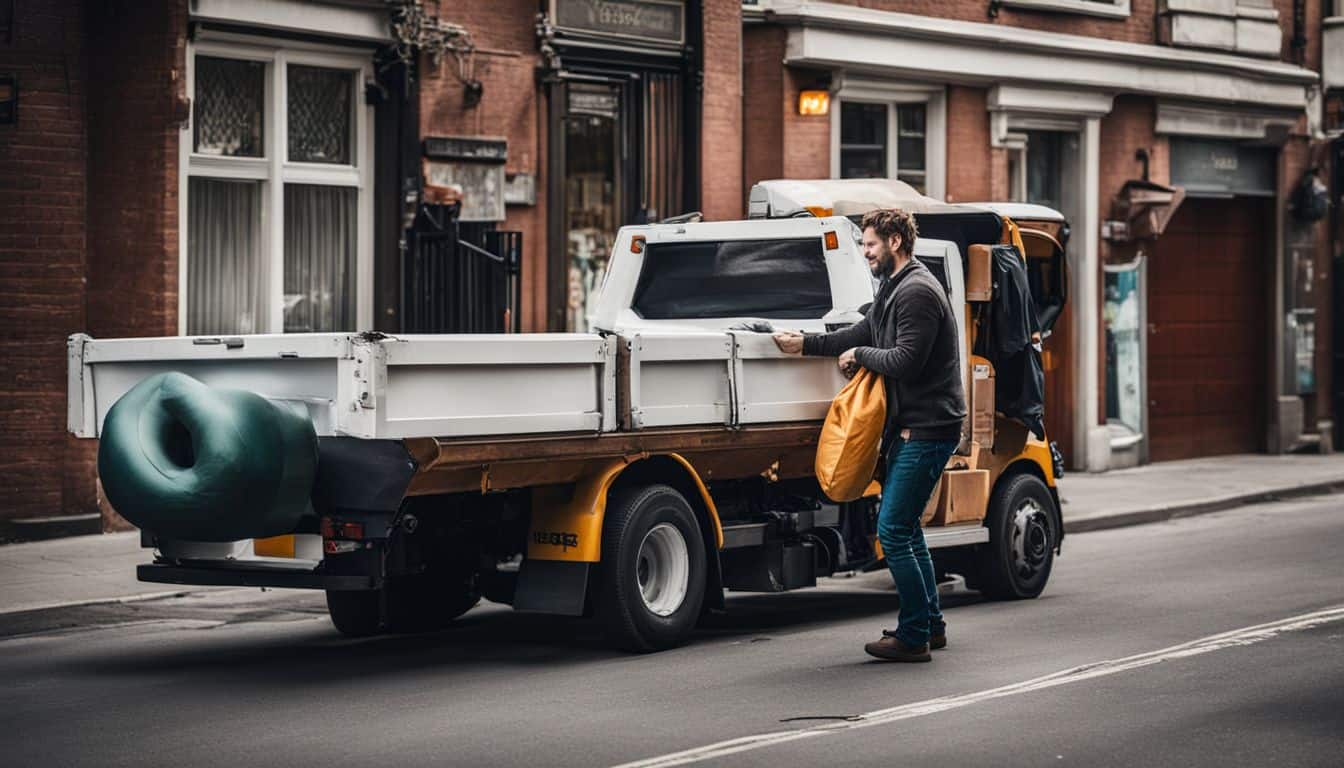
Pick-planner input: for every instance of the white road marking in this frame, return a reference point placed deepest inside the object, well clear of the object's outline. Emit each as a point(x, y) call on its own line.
point(1237, 637)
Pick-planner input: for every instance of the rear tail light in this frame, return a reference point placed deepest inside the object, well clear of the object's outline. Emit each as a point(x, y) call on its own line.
point(336, 529)
point(637, 244)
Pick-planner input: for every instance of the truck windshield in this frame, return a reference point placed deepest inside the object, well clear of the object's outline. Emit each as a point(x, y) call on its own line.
point(734, 278)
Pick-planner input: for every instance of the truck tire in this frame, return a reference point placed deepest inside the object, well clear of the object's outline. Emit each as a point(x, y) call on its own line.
point(1016, 562)
point(406, 604)
point(651, 581)
point(355, 613)
point(428, 601)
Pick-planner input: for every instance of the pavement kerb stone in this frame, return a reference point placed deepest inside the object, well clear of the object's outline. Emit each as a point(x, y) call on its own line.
point(1154, 514)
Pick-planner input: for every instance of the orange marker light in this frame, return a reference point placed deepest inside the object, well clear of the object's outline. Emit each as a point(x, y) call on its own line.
point(832, 242)
point(637, 244)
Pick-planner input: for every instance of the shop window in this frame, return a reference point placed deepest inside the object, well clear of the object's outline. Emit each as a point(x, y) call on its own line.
point(276, 174)
point(784, 279)
point(884, 140)
point(1121, 313)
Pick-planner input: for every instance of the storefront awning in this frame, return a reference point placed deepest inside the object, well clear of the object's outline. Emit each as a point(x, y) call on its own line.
point(834, 36)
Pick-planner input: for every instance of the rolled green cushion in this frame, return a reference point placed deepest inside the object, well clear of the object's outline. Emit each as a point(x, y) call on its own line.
point(189, 461)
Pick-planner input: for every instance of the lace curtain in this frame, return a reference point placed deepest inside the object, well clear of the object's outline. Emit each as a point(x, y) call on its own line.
point(226, 282)
point(319, 258)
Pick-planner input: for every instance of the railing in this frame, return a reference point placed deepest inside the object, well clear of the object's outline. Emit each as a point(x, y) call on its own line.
point(460, 277)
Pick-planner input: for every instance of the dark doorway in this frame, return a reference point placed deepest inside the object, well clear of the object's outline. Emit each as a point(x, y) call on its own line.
point(619, 156)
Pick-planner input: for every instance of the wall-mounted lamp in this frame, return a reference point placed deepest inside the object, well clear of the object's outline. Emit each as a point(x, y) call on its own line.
point(814, 103)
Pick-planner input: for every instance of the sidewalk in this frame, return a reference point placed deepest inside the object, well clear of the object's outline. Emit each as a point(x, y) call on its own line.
point(89, 569)
point(75, 570)
point(1176, 488)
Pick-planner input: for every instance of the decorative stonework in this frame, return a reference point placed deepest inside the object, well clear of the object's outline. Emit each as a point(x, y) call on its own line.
point(1249, 27)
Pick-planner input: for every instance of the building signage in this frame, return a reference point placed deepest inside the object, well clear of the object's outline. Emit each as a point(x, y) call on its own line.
point(475, 166)
point(662, 21)
point(1215, 167)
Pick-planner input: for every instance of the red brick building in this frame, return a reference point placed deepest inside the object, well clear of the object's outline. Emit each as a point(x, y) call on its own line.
point(1213, 338)
point(233, 166)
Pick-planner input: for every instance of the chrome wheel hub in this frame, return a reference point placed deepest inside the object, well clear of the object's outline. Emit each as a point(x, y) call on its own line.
point(664, 569)
point(1030, 539)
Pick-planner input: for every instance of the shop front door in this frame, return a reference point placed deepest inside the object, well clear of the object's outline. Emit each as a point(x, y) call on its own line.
point(593, 192)
point(1207, 337)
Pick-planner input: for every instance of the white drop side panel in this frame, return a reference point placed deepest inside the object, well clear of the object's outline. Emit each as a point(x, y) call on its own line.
point(775, 387)
point(680, 379)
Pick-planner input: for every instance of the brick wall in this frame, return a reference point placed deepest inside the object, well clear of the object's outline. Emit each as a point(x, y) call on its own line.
point(969, 159)
point(136, 105)
point(721, 193)
point(511, 107)
point(762, 95)
point(807, 138)
point(42, 236)
point(777, 141)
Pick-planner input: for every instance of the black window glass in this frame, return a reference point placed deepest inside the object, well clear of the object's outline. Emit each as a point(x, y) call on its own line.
point(863, 140)
point(938, 266)
point(737, 278)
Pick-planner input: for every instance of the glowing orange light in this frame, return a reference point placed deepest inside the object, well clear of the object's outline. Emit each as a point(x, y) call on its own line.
point(814, 103)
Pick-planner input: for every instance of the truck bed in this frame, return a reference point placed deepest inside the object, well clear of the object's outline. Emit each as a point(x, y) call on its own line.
point(478, 386)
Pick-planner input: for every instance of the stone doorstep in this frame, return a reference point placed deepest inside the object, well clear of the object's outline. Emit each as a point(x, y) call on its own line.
point(50, 527)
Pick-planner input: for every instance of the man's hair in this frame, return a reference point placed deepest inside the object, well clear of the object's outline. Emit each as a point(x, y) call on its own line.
point(893, 221)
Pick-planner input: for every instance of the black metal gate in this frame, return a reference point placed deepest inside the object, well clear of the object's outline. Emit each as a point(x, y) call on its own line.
point(460, 277)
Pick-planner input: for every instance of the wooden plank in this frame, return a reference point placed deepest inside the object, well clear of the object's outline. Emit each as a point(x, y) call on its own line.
point(441, 453)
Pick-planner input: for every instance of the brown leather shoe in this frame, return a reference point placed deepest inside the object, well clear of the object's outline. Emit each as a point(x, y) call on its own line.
point(938, 642)
point(891, 649)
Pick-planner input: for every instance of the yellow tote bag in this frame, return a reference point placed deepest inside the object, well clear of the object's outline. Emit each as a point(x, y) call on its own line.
point(851, 436)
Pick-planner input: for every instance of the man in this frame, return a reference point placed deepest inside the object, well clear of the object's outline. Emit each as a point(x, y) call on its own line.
point(909, 335)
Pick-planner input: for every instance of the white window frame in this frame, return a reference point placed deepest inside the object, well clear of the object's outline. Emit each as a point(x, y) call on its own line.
point(894, 94)
point(1116, 9)
point(275, 169)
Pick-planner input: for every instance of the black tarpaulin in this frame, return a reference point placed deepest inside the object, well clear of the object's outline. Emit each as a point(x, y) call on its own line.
point(1019, 380)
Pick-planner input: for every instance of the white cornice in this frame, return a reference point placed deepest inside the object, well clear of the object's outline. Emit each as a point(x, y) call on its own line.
point(846, 37)
point(366, 21)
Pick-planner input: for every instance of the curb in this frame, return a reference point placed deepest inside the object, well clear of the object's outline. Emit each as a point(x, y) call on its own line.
point(94, 601)
point(1202, 507)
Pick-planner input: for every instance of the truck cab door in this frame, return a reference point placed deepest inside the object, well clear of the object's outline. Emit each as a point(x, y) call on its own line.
point(1047, 275)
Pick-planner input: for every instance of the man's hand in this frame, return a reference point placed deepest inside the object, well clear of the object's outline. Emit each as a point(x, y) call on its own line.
point(789, 343)
point(848, 364)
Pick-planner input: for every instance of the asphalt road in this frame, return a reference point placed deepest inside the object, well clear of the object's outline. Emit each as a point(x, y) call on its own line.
point(249, 678)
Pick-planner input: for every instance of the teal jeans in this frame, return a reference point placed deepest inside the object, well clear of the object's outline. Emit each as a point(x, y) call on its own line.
point(913, 468)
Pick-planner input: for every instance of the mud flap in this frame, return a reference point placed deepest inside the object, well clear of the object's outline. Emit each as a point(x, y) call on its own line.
point(552, 586)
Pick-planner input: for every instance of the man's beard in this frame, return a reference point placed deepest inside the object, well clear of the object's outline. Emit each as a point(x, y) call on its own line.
point(883, 264)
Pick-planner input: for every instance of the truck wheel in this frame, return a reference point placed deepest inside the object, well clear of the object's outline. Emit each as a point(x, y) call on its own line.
point(651, 581)
point(425, 602)
point(355, 613)
point(1016, 562)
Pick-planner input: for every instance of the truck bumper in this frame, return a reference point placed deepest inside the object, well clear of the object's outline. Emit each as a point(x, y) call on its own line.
point(238, 576)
